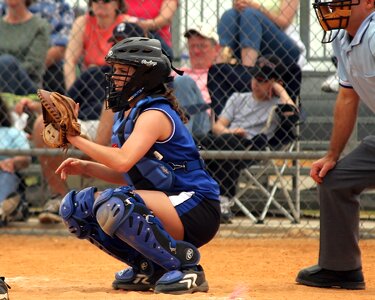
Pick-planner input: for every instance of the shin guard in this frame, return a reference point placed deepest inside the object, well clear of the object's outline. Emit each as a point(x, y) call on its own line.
point(123, 214)
point(76, 211)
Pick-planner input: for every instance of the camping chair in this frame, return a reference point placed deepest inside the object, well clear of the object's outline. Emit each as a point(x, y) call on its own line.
point(223, 80)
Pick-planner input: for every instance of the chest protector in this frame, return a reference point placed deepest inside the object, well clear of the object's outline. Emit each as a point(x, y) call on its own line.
point(151, 172)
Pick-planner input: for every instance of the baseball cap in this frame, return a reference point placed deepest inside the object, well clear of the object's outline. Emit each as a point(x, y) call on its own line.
point(125, 30)
point(204, 30)
point(268, 67)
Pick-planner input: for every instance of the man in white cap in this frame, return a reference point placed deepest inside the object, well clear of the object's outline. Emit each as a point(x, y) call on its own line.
point(191, 89)
point(203, 46)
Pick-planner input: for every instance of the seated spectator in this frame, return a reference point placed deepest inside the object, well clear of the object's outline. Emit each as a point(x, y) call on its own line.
point(60, 16)
point(89, 38)
point(23, 49)
point(253, 23)
point(250, 29)
point(155, 17)
point(13, 206)
point(191, 88)
point(251, 121)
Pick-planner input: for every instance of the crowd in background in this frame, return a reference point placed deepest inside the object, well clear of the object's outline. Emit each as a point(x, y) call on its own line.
point(63, 50)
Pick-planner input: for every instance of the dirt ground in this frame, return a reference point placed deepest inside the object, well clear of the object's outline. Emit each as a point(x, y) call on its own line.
point(50, 267)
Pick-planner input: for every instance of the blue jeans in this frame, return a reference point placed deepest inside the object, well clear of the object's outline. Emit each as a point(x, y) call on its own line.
point(9, 183)
point(14, 78)
point(252, 29)
point(191, 101)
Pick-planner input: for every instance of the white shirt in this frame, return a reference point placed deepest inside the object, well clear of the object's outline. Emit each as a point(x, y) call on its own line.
point(243, 111)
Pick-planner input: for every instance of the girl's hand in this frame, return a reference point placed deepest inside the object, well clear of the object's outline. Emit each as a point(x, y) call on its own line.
point(71, 166)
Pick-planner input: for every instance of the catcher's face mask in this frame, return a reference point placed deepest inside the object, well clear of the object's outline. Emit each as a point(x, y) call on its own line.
point(119, 81)
point(333, 16)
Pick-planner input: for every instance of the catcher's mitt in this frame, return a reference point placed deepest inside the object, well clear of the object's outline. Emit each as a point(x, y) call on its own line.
point(59, 118)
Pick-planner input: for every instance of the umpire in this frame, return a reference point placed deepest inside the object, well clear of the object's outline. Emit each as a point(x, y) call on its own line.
point(342, 181)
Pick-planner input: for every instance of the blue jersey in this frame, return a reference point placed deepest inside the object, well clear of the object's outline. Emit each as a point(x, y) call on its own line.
point(177, 150)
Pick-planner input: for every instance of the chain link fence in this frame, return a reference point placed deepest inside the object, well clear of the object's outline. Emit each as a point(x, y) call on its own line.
point(290, 209)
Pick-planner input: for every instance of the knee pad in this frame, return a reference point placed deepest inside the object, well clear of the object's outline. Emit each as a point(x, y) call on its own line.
point(77, 214)
point(123, 214)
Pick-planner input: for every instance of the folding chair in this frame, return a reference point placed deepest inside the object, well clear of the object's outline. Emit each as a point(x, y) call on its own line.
point(223, 80)
point(269, 167)
point(273, 168)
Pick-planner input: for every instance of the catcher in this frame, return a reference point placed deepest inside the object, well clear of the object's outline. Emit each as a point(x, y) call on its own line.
point(166, 205)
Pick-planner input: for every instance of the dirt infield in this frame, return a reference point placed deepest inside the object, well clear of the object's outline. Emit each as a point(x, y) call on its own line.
point(50, 267)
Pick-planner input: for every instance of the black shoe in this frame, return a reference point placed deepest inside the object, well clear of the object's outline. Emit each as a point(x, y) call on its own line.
point(3, 289)
point(319, 277)
point(182, 282)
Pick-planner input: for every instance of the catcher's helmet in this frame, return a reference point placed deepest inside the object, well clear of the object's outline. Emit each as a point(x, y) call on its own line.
point(333, 15)
point(152, 70)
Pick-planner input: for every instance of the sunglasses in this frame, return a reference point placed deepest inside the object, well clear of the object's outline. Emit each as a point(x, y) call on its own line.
point(104, 1)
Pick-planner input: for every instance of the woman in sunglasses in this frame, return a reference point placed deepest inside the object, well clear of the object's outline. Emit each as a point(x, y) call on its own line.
point(90, 34)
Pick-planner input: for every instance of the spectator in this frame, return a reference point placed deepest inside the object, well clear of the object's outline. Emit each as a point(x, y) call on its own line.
point(251, 121)
point(12, 205)
point(250, 29)
point(203, 46)
point(23, 48)
point(60, 16)
point(89, 38)
point(154, 17)
point(191, 89)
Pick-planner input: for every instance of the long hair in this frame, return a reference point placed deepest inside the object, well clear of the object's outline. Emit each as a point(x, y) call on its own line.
point(5, 120)
point(169, 95)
